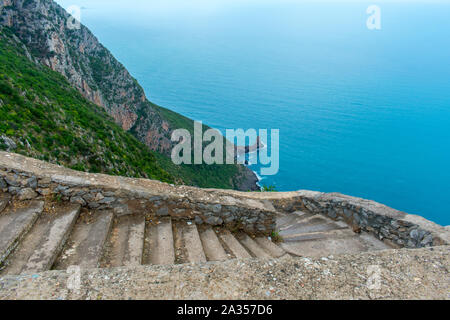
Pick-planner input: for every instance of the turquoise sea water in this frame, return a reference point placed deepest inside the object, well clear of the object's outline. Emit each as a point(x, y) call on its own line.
point(365, 113)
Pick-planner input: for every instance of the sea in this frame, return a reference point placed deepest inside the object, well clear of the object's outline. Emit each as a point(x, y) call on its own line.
point(362, 108)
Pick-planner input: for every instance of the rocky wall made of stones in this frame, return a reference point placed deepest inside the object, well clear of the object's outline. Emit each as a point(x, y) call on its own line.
point(26, 179)
point(396, 227)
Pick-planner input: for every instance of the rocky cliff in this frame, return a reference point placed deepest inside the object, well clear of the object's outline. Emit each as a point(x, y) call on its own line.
point(78, 55)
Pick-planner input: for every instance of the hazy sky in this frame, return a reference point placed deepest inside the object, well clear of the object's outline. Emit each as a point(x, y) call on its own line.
point(164, 8)
point(180, 4)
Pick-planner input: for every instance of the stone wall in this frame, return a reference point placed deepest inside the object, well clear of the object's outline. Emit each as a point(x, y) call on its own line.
point(27, 178)
point(396, 227)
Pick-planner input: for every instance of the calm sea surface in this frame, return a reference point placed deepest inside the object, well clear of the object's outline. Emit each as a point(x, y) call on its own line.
point(365, 113)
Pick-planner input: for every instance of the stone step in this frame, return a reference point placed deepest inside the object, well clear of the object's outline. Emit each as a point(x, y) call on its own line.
point(115, 244)
point(306, 221)
point(178, 243)
point(312, 224)
point(18, 259)
point(253, 247)
point(330, 246)
point(270, 247)
point(161, 244)
point(310, 219)
point(5, 219)
point(212, 246)
point(193, 244)
point(126, 242)
point(334, 233)
point(284, 220)
point(373, 243)
point(135, 244)
point(233, 245)
point(86, 243)
point(4, 200)
point(18, 221)
point(52, 242)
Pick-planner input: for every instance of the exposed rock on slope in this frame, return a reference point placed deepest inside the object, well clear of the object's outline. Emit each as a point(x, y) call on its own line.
point(43, 116)
point(88, 66)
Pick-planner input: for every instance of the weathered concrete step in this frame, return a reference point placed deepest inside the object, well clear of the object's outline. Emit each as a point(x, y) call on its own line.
point(86, 243)
point(329, 246)
point(233, 245)
point(314, 224)
point(373, 243)
point(17, 259)
point(51, 244)
point(5, 219)
point(212, 246)
point(334, 233)
point(18, 221)
point(115, 244)
point(308, 219)
point(4, 200)
point(178, 243)
point(126, 242)
point(253, 247)
point(135, 244)
point(193, 244)
point(33, 239)
point(161, 243)
point(285, 220)
point(270, 247)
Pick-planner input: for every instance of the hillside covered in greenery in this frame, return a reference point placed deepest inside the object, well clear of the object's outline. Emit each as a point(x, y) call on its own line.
point(50, 120)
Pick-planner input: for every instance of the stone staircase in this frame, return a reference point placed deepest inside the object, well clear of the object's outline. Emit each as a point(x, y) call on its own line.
point(36, 236)
point(313, 235)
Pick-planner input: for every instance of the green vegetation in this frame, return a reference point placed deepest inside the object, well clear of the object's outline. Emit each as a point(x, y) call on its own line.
point(268, 188)
point(276, 237)
point(207, 176)
point(50, 120)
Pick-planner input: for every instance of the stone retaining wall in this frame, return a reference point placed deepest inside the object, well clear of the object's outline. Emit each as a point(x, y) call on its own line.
point(26, 179)
point(398, 228)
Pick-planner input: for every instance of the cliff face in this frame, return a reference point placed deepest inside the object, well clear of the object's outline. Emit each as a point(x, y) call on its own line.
point(43, 116)
point(42, 25)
